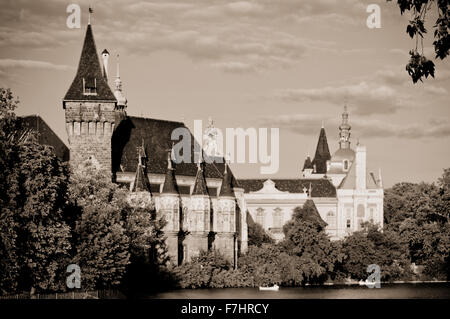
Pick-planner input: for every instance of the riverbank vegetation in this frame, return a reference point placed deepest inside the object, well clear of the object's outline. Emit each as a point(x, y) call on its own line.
point(52, 217)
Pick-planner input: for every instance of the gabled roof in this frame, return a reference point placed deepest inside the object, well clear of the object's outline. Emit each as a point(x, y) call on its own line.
point(157, 136)
point(44, 134)
point(322, 153)
point(319, 187)
point(200, 183)
point(90, 71)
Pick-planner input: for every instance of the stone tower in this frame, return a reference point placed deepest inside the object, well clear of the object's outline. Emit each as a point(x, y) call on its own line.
point(91, 111)
point(199, 218)
point(225, 221)
point(169, 202)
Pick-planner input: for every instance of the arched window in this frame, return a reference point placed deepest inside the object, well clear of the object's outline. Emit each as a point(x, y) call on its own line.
point(331, 219)
point(277, 218)
point(260, 216)
point(345, 165)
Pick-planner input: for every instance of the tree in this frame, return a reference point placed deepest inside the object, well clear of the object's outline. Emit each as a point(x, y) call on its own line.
point(371, 246)
point(97, 211)
point(306, 238)
point(34, 239)
point(257, 235)
point(419, 66)
point(148, 252)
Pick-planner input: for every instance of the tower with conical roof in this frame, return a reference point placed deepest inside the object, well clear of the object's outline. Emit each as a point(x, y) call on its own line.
point(199, 216)
point(169, 207)
point(140, 193)
point(91, 112)
point(225, 219)
point(322, 154)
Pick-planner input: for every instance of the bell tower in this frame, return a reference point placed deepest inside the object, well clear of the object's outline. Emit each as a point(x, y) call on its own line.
point(91, 111)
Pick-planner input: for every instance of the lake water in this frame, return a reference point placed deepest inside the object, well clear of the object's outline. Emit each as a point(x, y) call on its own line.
point(387, 291)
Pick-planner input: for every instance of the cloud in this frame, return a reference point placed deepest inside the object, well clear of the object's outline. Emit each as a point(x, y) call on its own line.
point(361, 127)
point(27, 64)
point(363, 98)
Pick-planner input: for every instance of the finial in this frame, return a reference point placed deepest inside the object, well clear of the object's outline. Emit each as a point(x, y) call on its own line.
point(90, 11)
point(210, 122)
point(322, 123)
point(169, 159)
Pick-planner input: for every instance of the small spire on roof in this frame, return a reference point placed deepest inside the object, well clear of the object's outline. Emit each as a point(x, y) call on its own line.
point(90, 12)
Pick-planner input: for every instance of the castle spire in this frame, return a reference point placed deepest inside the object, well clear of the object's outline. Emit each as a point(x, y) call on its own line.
point(344, 130)
point(200, 182)
point(121, 100)
point(141, 182)
point(89, 83)
point(170, 184)
point(226, 190)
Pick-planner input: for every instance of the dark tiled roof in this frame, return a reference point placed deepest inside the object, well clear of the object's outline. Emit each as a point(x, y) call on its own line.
point(226, 189)
point(200, 183)
point(156, 134)
point(45, 135)
point(322, 153)
point(319, 187)
point(89, 69)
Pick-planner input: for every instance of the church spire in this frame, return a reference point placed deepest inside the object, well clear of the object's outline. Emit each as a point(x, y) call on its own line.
point(322, 154)
point(344, 130)
point(121, 100)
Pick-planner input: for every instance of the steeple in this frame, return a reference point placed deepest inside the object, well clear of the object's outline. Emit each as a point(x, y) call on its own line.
point(200, 182)
point(89, 83)
point(344, 131)
point(322, 153)
point(226, 190)
point(121, 100)
point(141, 182)
point(170, 184)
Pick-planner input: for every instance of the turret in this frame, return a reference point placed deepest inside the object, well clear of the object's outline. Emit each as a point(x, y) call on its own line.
point(307, 167)
point(225, 219)
point(105, 57)
point(90, 110)
point(140, 193)
point(118, 92)
point(198, 216)
point(169, 203)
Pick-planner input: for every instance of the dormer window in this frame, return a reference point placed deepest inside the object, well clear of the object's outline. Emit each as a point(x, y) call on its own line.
point(90, 86)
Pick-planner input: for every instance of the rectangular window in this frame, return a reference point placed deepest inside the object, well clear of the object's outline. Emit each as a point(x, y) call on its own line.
point(349, 223)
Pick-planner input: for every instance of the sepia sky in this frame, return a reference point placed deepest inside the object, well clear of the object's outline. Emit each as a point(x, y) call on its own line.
point(289, 64)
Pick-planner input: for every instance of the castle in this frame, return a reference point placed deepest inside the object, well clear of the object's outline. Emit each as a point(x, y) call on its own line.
point(204, 205)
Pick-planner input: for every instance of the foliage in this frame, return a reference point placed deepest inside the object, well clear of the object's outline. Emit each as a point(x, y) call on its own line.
point(306, 238)
point(418, 65)
point(209, 269)
point(257, 235)
point(97, 212)
point(371, 246)
point(34, 239)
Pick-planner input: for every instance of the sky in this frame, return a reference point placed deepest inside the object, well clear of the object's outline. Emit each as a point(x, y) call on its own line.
point(287, 64)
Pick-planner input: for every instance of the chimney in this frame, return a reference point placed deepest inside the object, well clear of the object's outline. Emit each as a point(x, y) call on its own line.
point(105, 56)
